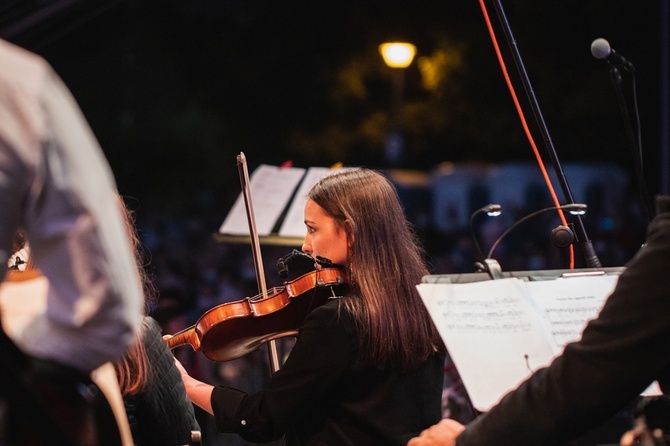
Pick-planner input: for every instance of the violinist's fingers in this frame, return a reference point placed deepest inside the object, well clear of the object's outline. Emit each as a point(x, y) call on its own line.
point(416, 441)
point(628, 438)
point(443, 433)
point(180, 367)
point(165, 338)
point(638, 435)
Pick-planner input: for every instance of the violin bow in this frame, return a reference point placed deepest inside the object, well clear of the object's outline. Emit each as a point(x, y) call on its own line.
point(273, 356)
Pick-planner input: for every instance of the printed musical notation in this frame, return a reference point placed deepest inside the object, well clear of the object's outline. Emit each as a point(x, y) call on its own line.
point(567, 305)
point(510, 326)
point(497, 314)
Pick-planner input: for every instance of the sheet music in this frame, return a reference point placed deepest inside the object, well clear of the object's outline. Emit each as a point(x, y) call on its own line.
point(567, 305)
point(294, 221)
point(492, 332)
point(498, 332)
point(271, 189)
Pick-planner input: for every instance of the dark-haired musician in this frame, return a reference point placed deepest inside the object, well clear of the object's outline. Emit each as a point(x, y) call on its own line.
point(367, 368)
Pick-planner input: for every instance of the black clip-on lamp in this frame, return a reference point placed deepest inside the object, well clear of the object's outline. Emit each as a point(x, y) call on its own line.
point(561, 236)
point(492, 210)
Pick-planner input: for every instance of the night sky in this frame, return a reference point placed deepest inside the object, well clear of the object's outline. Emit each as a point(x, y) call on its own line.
point(174, 89)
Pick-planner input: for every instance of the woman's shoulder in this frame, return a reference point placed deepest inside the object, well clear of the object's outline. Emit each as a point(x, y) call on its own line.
point(332, 317)
point(329, 327)
point(332, 309)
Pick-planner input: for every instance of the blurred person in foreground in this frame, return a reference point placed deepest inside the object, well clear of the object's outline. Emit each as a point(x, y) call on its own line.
point(152, 406)
point(56, 184)
point(621, 352)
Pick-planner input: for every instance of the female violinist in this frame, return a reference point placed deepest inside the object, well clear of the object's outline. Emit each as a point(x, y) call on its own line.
point(367, 367)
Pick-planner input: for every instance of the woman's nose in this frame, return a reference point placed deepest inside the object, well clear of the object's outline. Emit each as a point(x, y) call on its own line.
point(306, 247)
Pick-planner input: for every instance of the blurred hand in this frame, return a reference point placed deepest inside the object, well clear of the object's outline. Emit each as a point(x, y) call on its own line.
point(443, 433)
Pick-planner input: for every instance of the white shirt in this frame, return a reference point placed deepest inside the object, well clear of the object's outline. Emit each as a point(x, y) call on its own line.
point(56, 184)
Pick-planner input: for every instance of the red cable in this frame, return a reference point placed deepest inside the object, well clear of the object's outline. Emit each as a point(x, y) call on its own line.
point(525, 126)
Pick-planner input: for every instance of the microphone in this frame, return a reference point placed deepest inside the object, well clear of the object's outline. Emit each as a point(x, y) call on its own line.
point(601, 49)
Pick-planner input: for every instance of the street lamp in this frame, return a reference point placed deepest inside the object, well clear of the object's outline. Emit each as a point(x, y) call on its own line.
point(398, 56)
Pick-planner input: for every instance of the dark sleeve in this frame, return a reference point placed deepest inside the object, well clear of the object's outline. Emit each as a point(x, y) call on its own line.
point(621, 352)
point(323, 351)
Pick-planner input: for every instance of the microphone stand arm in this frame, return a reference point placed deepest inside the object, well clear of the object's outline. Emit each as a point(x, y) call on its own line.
point(634, 142)
point(580, 231)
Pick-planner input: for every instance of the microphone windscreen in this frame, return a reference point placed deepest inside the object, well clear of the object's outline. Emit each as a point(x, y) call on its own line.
point(600, 48)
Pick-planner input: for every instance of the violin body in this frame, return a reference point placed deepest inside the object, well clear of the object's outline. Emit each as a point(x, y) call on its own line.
point(234, 329)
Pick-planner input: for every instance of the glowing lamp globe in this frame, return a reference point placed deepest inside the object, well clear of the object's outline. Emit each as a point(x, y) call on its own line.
point(397, 54)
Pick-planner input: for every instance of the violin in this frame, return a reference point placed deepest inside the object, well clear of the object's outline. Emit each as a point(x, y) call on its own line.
point(234, 329)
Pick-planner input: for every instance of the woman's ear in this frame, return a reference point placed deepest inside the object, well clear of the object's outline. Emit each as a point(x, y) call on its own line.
point(348, 228)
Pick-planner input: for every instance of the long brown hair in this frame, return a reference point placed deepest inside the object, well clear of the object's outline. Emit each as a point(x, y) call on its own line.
point(133, 369)
point(386, 263)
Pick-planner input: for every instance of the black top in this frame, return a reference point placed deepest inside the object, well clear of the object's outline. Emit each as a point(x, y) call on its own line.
point(621, 352)
point(326, 394)
point(162, 414)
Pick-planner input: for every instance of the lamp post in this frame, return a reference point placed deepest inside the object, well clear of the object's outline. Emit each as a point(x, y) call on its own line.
point(398, 56)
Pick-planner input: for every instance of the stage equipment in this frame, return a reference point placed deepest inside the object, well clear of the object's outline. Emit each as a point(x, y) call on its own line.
point(601, 49)
point(576, 209)
point(583, 241)
point(492, 210)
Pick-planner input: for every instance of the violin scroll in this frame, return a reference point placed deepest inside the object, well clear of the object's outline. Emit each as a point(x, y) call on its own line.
point(184, 337)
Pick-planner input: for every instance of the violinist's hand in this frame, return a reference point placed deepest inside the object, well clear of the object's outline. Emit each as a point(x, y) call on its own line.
point(198, 392)
point(641, 435)
point(182, 371)
point(443, 433)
